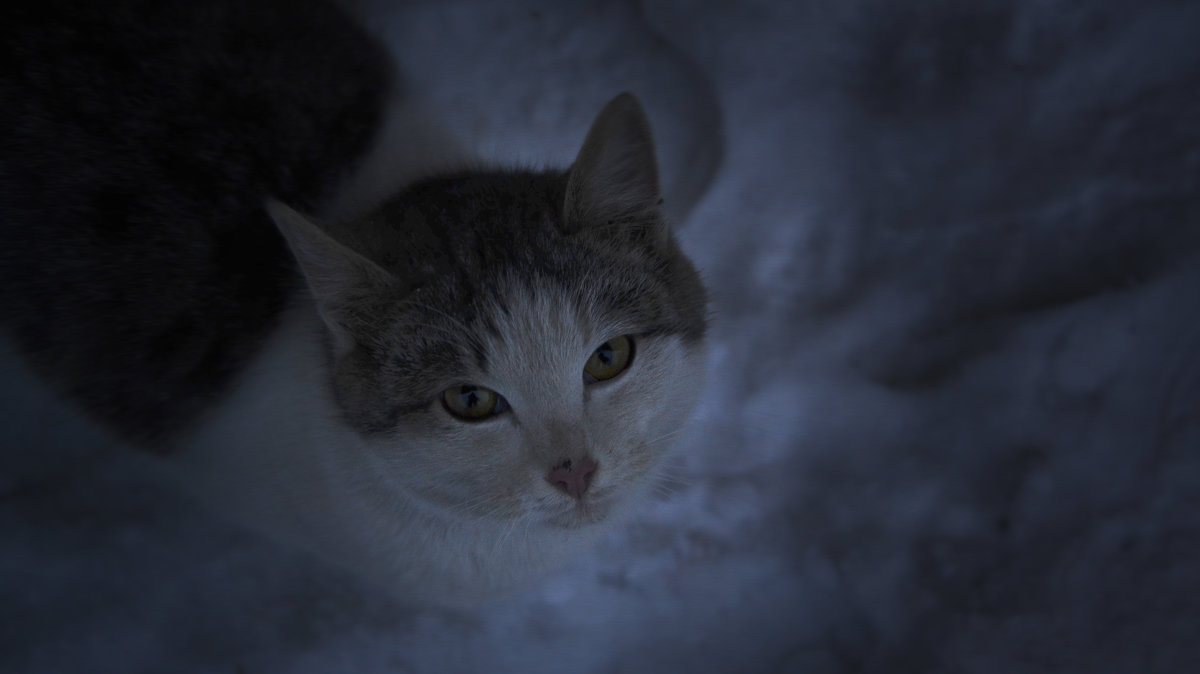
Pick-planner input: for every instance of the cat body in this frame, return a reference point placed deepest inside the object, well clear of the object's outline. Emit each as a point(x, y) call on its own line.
point(449, 393)
point(278, 456)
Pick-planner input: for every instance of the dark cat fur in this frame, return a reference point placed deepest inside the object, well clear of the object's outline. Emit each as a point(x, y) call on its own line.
point(129, 127)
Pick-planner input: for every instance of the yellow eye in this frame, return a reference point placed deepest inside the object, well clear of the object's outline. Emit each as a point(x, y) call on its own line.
point(609, 359)
point(472, 403)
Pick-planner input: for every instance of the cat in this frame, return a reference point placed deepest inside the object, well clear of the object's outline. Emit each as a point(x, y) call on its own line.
point(451, 394)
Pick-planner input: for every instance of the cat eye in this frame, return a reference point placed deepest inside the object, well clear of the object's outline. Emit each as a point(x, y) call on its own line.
point(473, 403)
point(609, 359)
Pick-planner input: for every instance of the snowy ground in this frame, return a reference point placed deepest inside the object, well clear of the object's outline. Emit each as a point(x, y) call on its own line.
point(954, 415)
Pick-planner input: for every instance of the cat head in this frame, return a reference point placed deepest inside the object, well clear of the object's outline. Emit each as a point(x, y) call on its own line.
point(514, 345)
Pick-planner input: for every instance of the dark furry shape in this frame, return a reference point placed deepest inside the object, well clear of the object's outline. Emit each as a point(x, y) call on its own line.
point(137, 143)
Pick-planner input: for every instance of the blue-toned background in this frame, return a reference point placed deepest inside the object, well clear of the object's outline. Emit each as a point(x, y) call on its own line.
point(953, 416)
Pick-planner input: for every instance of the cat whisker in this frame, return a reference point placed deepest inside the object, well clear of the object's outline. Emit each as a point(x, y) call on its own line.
point(476, 506)
point(664, 437)
point(499, 544)
point(666, 480)
point(672, 480)
point(664, 490)
point(670, 489)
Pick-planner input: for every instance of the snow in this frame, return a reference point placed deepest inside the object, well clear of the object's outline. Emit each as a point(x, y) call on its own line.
point(952, 416)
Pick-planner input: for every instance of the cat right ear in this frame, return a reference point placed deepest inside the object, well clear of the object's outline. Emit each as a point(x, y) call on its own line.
point(340, 279)
point(613, 183)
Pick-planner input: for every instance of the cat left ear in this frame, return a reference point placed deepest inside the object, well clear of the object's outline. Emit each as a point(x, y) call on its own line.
point(339, 278)
point(613, 183)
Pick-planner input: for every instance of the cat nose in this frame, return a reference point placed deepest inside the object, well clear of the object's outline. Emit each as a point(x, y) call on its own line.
point(573, 477)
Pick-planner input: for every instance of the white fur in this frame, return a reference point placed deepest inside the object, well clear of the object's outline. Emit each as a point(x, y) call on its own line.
point(451, 512)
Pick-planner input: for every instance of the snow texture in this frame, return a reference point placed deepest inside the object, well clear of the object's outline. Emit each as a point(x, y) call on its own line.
point(953, 422)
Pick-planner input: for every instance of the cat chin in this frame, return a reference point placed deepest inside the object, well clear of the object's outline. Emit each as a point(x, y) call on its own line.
point(582, 514)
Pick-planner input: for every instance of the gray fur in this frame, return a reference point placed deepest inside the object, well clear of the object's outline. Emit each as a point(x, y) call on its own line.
point(414, 295)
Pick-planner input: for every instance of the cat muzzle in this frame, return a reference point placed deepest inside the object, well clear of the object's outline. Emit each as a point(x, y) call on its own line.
point(573, 477)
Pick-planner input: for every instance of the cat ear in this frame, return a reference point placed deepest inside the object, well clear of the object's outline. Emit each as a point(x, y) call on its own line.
point(614, 180)
point(339, 278)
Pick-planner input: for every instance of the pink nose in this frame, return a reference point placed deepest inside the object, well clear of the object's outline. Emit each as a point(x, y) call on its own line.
point(573, 477)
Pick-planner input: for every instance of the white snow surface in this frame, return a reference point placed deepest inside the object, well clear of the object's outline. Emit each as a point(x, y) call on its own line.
point(953, 419)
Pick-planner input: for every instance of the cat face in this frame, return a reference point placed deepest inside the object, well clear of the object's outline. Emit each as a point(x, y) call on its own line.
point(526, 458)
point(515, 346)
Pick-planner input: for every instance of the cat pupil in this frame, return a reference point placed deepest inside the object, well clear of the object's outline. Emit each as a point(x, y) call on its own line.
point(470, 398)
point(605, 353)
